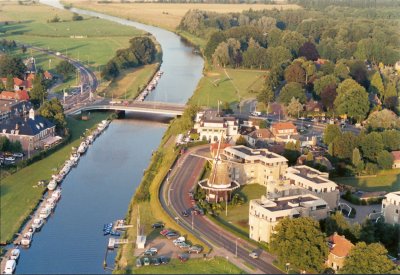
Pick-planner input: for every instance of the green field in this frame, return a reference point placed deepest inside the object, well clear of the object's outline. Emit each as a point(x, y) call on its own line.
point(217, 265)
point(99, 38)
point(216, 85)
point(388, 180)
point(238, 215)
point(130, 82)
point(18, 194)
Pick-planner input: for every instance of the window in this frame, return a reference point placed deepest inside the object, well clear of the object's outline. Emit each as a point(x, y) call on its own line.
point(397, 211)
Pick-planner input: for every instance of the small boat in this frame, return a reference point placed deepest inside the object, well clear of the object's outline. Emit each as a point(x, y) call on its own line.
point(56, 194)
point(52, 185)
point(15, 254)
point(37, 224)
point(10, 267)
point(44, 212)
point(51, 203)
point(27, 238)
point(115, 233)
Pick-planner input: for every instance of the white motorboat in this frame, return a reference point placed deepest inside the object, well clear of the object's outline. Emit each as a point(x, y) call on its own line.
point(27, 238)
point(56, 194)
point(51, 203)
point(10, 267)
point(37, 224)
point(52, 185)
point(44, 212)
point(15, 254)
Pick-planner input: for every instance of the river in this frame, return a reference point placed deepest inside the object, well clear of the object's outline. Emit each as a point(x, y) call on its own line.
point(100, 188)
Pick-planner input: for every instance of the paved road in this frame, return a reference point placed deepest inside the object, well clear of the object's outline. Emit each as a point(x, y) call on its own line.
point(88, 80)
point(186, 173)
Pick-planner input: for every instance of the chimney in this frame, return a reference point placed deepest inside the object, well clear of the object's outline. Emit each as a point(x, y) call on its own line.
point(32, 114)
point(16, 126)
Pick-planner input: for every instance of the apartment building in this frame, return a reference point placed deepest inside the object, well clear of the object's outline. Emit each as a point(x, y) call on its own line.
point(264, 214)
point(312, 181)
point(255, 165)
point(391, 207)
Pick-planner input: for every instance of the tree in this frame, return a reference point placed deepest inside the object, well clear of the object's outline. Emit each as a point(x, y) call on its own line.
point(331, 132)
point(341, 70)
point(344, 145)
point(215, 39)
point(38, 93)
point(367, 259)
point(11, 65)
point(310, 157)
point(309, 51)
point(291, 152)
point(266, 95)
point(337, 223)
point(54, 111)
point(65, 68)
point(110, 70)
point(277, 56)
point(300, 242)
point(310, 69)
point(384, 119)
point(241, 141)
point(391, 140)
point(294, 107)
point(371, 145)
point(376, 85)
point(292, 40)
point(391, 98)
point(77, 17)
point(4, 143)
point(385, 160)
point(295, 73)
point(290, 90)
point(321, 83)
point(2, 87)
point(352, 99)
point(10, 83)
point(55, 19)
point(328, 96)
point(357, 161)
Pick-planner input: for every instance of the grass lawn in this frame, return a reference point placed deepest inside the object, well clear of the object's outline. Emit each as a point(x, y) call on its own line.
point(217, 265)
point(100, 38)
point(130, 82)
point(387, 180)
point(165, 15)
point(238, 215)
point(216, 85)
point(18, 196)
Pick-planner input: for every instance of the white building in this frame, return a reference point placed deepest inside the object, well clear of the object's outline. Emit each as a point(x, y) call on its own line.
point(314, 182)
point(210, 124)
point(264, 214)
point(391, 207)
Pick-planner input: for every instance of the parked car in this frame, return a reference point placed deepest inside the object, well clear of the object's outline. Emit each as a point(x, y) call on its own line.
point(172, 236)
point(10, 159)
point(185, 213)
point(178, 243)
point(18, 155)
point(153, 249)
point(254, 255)
point(156, 261)
point(164, 260)
point(180, 239)
point(157, 225)
point(184, 246)
point(183, 257)
point(195, 249)
point(149, 253)
point(164, 232)
point(146, 261)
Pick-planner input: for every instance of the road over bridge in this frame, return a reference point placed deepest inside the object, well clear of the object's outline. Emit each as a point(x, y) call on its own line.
point(151, 107)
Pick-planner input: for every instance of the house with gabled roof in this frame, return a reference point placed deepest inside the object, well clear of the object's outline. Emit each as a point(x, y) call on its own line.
point(339, 248)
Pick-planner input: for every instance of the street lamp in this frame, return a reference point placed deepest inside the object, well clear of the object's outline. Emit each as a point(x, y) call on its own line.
point(287, 268)
point(169, 196)
point(236, 242)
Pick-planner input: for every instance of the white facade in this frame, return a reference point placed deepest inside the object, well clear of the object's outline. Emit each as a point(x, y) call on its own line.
point(264, 214)
point(210, 125)
point(391, 208)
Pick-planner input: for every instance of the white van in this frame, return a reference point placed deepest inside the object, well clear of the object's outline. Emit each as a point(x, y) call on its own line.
point(10, 267)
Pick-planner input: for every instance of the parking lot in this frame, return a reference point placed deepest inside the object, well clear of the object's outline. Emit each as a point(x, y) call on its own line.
point(165, 247)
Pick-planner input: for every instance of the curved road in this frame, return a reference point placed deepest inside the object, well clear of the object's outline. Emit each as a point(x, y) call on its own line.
point(186, 172)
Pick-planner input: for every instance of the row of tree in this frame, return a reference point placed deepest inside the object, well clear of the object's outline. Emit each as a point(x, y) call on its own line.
point(10, 146)
point(141, 51)
point(303, 244)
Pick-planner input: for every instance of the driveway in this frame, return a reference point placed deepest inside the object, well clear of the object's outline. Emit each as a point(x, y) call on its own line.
point(362, 211)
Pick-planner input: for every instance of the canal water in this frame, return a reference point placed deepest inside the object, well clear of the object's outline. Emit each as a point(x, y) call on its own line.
point(100, 188)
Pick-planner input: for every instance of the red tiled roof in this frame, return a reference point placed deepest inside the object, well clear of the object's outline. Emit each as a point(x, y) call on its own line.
point(396, 155)
point(7, 95)
point(31, 76)
point(214, 148)
point(22, 95)
point(262, 133)
point(341, 245)
point(283, 126)
point(47, 75)
point(18, 82)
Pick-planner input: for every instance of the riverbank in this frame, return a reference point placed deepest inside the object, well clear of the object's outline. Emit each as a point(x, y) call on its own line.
point(18, 195)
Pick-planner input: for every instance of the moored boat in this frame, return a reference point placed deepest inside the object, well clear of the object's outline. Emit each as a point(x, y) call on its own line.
point(44, 212)
point(37, 224)
point(26, 239)
point(56, 194)
point(52, 185)
point(10, 267)
point(15, 254)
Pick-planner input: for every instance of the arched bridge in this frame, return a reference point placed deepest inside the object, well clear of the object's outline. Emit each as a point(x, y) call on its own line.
point(152, 107)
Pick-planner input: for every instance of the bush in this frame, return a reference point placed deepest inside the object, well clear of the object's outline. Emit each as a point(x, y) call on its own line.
point(371, 168)
point(77, 17)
